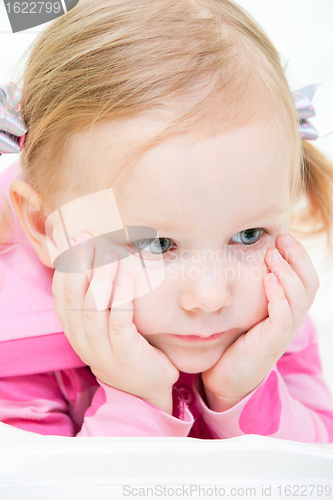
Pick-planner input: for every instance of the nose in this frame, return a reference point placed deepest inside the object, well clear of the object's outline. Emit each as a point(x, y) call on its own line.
point(206, 289)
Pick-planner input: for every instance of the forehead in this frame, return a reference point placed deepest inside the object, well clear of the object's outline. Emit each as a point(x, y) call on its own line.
point(243, 169)
point(189, 179)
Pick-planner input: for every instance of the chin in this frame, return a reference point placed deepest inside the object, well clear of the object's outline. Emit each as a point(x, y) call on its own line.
point(193, 365)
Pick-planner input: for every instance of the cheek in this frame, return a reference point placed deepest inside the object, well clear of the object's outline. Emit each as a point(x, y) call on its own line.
point(144, 313)
point(250, 287)
point(148, 275)
point(250, 265)
point(151, 311)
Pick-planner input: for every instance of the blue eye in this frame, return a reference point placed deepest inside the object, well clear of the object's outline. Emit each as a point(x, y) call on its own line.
point(251, 236)
point(157, 245)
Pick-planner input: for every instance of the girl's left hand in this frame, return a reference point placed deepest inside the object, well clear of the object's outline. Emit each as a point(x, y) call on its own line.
point(247, 361)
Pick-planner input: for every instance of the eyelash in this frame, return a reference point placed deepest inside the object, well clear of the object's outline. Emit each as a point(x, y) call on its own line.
point(148, 241)
point(262, 231)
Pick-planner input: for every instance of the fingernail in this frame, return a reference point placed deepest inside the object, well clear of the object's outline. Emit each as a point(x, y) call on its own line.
point(276, 256)
point(84, 239)
point(108, 258)
point(123, 280)
point(273, 279)
point(286, 241)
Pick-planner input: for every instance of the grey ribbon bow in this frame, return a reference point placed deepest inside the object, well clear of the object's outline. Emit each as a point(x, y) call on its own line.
point(303, 98)
point(12, 126)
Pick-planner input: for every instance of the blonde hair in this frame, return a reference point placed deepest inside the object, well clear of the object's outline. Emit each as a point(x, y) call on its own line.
point(196, 59)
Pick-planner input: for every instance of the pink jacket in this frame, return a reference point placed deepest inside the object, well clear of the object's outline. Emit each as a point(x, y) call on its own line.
point(46, 388)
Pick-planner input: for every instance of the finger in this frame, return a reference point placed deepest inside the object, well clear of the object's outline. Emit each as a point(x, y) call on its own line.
point(101, 285)
point(298, 258)
point(76, 286)
point(96, 313)
point(123, 334)
point(278, 326)
point(58, 288)
point(292, 285)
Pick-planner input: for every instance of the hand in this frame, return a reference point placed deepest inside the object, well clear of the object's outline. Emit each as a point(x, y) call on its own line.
point(108, 341)
point(247, 361)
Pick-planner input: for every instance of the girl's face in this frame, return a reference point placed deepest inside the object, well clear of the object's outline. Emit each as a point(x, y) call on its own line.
point(217, 204)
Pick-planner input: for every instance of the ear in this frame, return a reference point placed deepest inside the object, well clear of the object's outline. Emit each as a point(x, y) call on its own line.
point(27, 205)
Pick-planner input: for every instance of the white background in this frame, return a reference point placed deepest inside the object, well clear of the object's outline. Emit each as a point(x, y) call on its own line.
point(302, 32)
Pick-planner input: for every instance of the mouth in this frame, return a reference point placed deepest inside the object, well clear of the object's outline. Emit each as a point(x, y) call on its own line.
point(197, 338)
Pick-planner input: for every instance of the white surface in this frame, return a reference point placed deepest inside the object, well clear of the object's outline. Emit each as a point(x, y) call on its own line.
point(99, 467)
point(39, 467)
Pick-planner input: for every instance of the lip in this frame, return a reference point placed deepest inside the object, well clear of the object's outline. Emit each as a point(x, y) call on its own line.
point(197, 338)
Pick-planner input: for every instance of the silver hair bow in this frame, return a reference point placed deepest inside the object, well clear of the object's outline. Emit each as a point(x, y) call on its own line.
point(12, 126)
point(303, 98)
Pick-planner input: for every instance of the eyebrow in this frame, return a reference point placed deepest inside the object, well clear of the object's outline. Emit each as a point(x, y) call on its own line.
point(148, 222)
point(265, 213)
point(169, 226)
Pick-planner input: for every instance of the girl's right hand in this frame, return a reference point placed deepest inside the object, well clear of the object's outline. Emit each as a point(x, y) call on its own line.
point(107, 340)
